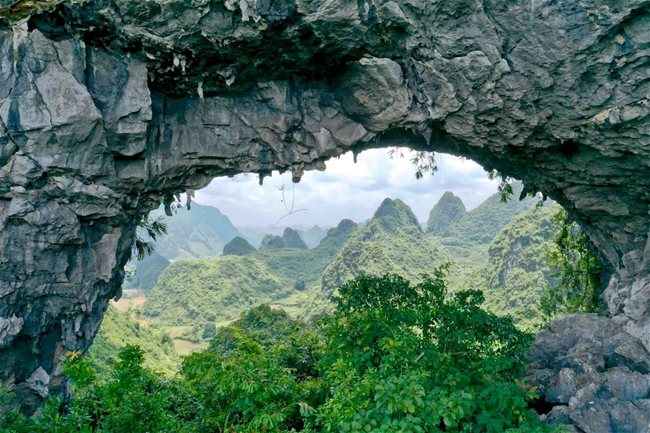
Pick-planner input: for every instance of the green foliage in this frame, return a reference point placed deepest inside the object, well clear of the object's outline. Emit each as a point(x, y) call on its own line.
point(424, 162)
point(405, 358)
point(149, 229)
point(218, 289)
point(578, 271)
point(505, 189)
point(394, 357)
point(256, 373)
point(209, 331)
point(117, 330)
point(133, 400)
point(249, 391)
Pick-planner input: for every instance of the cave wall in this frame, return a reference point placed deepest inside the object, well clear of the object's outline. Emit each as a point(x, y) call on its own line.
point(108, 108)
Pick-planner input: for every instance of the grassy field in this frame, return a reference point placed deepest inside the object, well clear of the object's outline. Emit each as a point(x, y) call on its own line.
point(185, 347)
point(127, 304)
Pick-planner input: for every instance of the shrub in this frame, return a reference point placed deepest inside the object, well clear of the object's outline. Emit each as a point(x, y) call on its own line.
point(577, 269)
point(394, 357)
point(405, 358)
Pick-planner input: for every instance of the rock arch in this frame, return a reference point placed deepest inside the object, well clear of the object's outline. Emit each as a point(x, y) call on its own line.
point(108, 108)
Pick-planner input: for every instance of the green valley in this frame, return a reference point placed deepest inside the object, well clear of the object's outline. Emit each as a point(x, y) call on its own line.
point(192, 296)
point(285, 273)
point(218, 289)
point(118, 330)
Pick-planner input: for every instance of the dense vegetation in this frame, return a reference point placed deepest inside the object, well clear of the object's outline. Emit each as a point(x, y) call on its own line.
point(578, 270)
point(394, 357)
point(517, 273)
point(509, 268)
point(198, 292)
point(118, 330)
point(391, 242)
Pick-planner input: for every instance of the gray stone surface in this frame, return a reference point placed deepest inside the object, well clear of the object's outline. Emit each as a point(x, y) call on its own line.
point(108, 108)
point(594, 373)
point(39, 382)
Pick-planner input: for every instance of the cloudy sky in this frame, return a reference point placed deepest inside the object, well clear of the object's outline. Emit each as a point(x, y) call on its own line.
point(345, 190)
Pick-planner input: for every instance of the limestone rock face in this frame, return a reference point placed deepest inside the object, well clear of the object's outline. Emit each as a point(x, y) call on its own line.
point(109, 108)
point(596, 375)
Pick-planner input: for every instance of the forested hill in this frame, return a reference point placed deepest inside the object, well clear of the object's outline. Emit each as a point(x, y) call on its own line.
point(517, 274)
point(392, 241)
point(448, 211)
point(218, 289)
point(480, 225)
point(200, 232)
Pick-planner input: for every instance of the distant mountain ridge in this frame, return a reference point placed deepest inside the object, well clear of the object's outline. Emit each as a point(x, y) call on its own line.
point(284, 272)
point(200, 232)
point(290, 239)
point(481, 224)
point(448, 211)
point(391, 241)
point(204, 232)
point(311, 236)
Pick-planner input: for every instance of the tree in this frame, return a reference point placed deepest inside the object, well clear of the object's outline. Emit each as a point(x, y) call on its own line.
point(407, 358)
point(577, 269)
point(423, 161)
point(146, 234)
point(209, 331)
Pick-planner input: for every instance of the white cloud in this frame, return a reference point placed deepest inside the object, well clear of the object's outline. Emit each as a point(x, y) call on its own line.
point(345, 190)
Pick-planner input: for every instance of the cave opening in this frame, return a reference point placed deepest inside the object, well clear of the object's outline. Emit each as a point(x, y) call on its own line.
point(497, 84)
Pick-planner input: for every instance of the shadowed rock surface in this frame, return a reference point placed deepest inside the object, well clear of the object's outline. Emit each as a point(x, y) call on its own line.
point(594, 374)
point(108, 108)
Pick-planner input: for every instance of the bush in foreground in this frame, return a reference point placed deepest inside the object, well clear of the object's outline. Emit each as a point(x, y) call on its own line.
point(394, 357)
